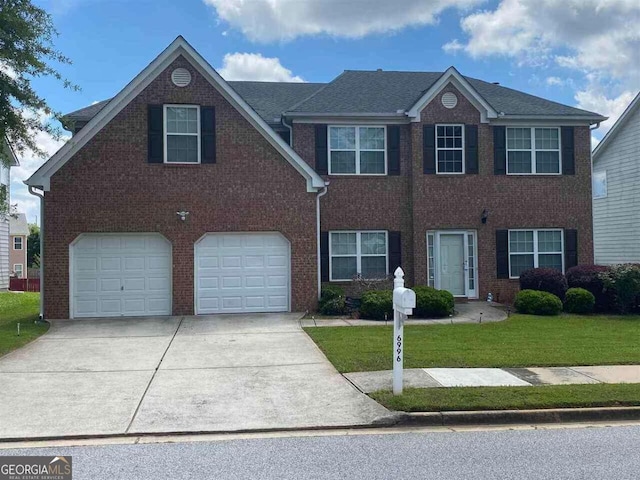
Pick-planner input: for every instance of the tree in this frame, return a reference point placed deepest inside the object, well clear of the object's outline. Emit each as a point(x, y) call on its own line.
point(33, 246)
point(26, 52)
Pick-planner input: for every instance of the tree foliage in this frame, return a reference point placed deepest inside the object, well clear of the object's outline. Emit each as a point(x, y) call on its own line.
point(33, 246)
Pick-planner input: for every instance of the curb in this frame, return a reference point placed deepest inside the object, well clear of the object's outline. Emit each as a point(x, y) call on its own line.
point(500, 417)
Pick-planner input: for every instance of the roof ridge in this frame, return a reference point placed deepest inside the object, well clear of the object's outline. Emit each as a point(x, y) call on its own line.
point(276, 83)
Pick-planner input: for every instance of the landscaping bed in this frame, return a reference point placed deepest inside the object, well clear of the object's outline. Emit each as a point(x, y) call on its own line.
point(20, 308)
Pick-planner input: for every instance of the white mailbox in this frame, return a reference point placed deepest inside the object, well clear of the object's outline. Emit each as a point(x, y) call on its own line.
point(404, 300)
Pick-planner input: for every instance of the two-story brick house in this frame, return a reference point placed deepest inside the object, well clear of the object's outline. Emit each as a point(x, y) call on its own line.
point(189, 194)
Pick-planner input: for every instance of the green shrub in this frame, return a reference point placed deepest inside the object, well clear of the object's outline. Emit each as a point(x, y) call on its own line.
point(376, 304)
point(536, 302)
point(332, 300)
point(588, 277)
point(544, 279)
point(329, 292)
point(432, 303)
point(579, 300)
point(622, 282)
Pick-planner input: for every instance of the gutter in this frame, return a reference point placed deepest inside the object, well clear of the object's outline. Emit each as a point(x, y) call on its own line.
point(320, 194)
point(32, 191)
point(290, 127)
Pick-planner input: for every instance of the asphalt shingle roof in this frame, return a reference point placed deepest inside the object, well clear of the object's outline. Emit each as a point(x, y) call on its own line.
point(18, 224)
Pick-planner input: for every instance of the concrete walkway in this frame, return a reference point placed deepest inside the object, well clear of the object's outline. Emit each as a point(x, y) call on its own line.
point(178, 374)
point(496, 377)
point(469, 312)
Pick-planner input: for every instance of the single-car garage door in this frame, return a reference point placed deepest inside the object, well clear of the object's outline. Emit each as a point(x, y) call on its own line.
point(242, 272)
point(114, 275)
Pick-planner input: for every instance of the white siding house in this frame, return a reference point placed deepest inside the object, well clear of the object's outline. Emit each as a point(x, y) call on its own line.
point(616, 191)
point(4, 219)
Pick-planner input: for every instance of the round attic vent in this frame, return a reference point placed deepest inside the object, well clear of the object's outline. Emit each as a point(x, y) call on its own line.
point(449, 100)
point(181, 77)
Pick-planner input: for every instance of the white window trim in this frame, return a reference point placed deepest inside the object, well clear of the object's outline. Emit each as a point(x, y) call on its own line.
point(15, 265)
point(165, 133)
point(535, 252)
point(606, 187)
point(438, 172)
point(21, 243)
point(357, 150)
point(358, 253)
point(533, 150)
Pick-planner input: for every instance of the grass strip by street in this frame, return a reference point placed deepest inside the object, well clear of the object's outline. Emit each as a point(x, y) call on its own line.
point(20, 308)
point(520, 341)
point(510, 398)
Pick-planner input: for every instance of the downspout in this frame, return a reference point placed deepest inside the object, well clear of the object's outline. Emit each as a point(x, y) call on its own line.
point(290, 127)
point(32, 191)
point(320, 194)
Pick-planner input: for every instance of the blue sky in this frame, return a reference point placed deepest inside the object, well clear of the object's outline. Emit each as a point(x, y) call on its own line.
point(557, 49)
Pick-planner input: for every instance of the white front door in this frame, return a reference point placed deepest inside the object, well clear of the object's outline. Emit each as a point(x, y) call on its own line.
point(242, 272)
point(120, 275)
point(452, 263)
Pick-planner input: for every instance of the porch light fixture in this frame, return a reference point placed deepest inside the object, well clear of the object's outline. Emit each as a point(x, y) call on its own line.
point(182, 214)
point(485, 215)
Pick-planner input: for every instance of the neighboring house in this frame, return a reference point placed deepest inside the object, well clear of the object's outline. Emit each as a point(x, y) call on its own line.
point(5, 181)
point(616, 191)
point(188, 194)
point(18, 234)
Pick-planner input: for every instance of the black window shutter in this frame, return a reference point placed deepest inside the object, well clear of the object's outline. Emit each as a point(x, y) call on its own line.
point(570, 249)
point(502, 253)
point(324, 256)
point(155, 152)
point(395, 251)
point(429, 149)
point(208, 134)
point(568, 155)
point(471, 148)
point(322, 160)
point(499, 150)
point(393, 150)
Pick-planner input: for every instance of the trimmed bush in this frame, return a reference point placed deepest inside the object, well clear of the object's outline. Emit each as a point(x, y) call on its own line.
point(588, 277)
point(376, 304)
point(332, 300)
point(432, 303)
point(579, 300)
point(537, 302)
point(545, 280)
point(623, 283)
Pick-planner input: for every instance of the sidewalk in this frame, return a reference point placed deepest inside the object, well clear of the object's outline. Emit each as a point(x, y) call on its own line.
point(496, 377)
point(469, 312)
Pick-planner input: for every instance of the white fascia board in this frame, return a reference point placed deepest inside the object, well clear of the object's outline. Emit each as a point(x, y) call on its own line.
point(352, 119)
point(41, 178)
point(454, 77)
point(613, 131)
point(542, 122)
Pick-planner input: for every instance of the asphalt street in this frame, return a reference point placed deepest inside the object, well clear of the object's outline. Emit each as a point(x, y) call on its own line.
point(571, 453)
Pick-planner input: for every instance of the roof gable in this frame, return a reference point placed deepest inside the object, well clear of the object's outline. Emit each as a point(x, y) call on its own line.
point(179, 47)
point(633, 107)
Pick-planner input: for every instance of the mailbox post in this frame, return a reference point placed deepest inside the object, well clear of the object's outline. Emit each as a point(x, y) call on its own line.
point(404, 301)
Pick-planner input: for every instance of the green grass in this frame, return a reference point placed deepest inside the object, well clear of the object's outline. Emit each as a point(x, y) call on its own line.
point(521, 341)
point(23, 308)
point(510, 398)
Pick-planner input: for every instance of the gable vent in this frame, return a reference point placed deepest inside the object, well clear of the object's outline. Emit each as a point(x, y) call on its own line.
point(449, 100)
point(181, 77)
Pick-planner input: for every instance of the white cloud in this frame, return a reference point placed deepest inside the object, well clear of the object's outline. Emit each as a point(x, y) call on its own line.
point(278, 20)
point(555, 81)
point(453, 46)
point(595, 99)
point(253, 66)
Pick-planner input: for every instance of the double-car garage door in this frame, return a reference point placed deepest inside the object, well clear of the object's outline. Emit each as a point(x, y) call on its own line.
point(116, 275)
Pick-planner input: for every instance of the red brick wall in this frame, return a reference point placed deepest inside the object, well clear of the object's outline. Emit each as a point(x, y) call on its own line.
point(108, 186)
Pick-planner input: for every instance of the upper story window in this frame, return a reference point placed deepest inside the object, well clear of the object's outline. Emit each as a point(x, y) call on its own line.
point(357, 150)
point(450, 148)
point(533, 151)
point(17, 243)
point(352, 253)
point(182, 133)
point(535, 249)
point(600, 184)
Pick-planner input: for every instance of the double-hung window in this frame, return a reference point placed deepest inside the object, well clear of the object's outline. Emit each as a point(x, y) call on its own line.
point(18, 269)
point(353, 253)
point(17, 243)
point(357, 150)
point(535, 249)
point(450, 148)
point(600, 184)
point(182, 134)
point(533, 151)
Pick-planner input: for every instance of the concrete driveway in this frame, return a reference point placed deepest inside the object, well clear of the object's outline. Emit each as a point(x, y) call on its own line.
point(178, 374)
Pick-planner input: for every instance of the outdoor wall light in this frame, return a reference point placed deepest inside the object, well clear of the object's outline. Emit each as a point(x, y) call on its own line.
point(182, 214)
point(485, 215)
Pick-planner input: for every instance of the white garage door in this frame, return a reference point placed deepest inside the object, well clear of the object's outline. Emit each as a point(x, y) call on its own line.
point(117, 275)
point(242, 272)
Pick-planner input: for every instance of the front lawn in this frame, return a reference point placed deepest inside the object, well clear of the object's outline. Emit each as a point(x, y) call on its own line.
point(23, 308)
point(510, 398)
point(520, 341)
